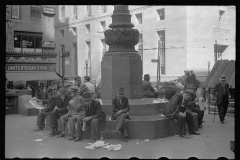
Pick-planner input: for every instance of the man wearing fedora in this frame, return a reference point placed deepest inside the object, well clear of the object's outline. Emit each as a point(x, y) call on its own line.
point(90, 86)
point(221, 91)
point(120, 110)
point(75, 111)
point(148, 90)
point(47, 110)
point(93, 116)
point(176, 108)
point(60, 110)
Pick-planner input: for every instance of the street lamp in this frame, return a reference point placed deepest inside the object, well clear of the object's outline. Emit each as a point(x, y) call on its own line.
point(64, 54)
point(208, 67)
point(86, 63)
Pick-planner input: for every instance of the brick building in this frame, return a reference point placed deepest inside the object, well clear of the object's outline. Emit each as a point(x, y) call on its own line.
point(190, 37)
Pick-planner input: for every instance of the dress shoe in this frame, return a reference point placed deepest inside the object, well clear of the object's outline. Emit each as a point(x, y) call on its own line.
point(222, 122)
point(54, 133)
point(77, 139)
point(38, 129)
point(72, 138)
point(194, 133)
point(125, 139)
point(200, 126)
point(184, 136)
point(62, 135)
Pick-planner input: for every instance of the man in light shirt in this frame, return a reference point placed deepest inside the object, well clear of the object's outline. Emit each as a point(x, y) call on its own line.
point(90, 86)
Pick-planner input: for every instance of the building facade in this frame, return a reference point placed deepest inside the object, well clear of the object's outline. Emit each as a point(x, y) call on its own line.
point(30, 43)
point(186, 37)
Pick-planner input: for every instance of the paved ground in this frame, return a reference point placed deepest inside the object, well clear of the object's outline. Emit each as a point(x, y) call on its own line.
point(214, 142)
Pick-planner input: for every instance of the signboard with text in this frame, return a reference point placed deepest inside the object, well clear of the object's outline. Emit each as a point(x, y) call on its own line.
point(49, 10)
point(48, 44)
point(26, 67)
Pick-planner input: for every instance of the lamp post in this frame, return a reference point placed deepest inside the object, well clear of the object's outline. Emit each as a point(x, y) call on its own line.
point(208, 67)
point(64, 54)
point(86, 63)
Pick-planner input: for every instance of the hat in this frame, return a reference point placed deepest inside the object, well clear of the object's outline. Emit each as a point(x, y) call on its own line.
point(77, 78)
point(87, 78)
point(62, 89)
point(223, 77)
point(120, 90)
point(49, 90)
point(73, 89)
point(190, 92)
point(146, 76)
point(87, 96)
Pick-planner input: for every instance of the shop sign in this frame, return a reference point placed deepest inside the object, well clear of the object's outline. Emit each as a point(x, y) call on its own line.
point(26, 67)
point(48, 44)
point(49, 10)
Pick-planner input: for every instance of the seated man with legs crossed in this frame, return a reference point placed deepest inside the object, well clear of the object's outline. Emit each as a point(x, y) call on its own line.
point(47, 110)
point(121, 107)
point(176, 108)
point(93, 115)
point(75, 111)
point(59, 110)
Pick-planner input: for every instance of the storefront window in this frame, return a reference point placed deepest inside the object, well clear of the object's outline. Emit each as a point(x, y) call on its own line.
point(27, 42)
point(38, 42)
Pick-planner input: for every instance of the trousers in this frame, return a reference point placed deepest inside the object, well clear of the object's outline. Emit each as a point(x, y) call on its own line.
point(41, 119)
point(222, 108)
point(182, 122)
point(200, 113)
point(121, 125)
point(54, 116)
point(95, 132)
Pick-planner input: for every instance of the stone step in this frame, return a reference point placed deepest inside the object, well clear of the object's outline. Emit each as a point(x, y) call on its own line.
point(139, 127)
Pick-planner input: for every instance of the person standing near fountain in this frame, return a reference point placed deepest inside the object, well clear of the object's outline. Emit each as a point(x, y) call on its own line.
point(121, 107)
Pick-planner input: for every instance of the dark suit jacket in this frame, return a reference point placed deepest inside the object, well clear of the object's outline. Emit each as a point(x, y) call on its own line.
point(219, 90)
point(51, 104)
point(63, 106)
point(172, 107)
point(169, 93)
point(116, 106)
point(94, 110)
point(148, 90)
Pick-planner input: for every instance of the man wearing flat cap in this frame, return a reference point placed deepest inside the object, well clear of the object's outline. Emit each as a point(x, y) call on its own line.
point(60, 109)
point(176, 109)
point(76, 110)
point(148, 90)
point(120, 111)
point(47, 110)
point(93, 116)
point(221, 91)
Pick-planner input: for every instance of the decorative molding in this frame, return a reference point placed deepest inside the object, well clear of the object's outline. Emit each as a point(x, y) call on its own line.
point(31, 59)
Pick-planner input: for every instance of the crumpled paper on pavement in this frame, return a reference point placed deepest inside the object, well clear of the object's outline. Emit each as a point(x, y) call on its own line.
point(101, 144)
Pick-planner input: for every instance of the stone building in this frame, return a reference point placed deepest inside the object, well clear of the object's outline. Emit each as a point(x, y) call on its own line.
point(30, 43)
point(190, 38)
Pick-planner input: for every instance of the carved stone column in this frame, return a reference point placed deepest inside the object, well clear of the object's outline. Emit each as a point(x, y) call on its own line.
point(121, 65)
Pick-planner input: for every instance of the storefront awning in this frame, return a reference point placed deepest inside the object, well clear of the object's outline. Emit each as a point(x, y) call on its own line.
point(32, 76)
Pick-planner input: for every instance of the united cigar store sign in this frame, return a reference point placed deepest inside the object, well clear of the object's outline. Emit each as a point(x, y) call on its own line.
point(26, 67)
point(49, 10)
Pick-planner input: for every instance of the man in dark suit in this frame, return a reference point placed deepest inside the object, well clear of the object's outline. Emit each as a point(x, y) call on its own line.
point(170, 91)
point(120, 108)
point(47, 110)
point(59, 110)
point(176, 109)
point(148, 90)
point(221, 91)
point(93, 116)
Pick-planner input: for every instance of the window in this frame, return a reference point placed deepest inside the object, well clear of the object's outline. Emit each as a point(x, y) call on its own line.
point(161, 13)
point(15, 11)
point(62, 32)
point(103, 25)
point(89, 56)
point(36, 12)
point(221, 15)
point(140, 38)
point(103, 8)
point(161, 44)
point(140, 45)
point(88, 28)
point(89, 10)
point(104, 46)
point(27, 40)
point(74, 30)
point(62, 12)
point(75, 12)
point(139, 18)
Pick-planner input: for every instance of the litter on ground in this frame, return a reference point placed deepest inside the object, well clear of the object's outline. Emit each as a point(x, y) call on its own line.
point(146, 140)
point(38, 139)
point(101, 144)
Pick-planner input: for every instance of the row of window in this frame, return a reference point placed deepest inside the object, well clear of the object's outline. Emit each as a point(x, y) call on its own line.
point(27, 40)
point(161, 14)
point(35, 12)
point(75, 11)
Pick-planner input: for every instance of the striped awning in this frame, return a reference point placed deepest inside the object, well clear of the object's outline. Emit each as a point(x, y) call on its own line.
point(32, 76)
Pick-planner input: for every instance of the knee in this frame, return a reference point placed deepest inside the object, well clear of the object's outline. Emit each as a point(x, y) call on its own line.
point(94, 121)
point(72, 119)
point(123, 115)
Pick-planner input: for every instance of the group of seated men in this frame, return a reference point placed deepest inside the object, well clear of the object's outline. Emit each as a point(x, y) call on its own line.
point(80, 109)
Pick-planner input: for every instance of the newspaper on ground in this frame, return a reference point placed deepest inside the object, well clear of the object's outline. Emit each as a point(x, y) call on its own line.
point(101, 144)
point(33, 102)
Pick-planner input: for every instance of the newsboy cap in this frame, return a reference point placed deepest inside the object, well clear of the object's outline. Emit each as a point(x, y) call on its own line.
point(87, 78)
point(146, 76)
point(120, 90)
point(190, 92)
point(87, 96)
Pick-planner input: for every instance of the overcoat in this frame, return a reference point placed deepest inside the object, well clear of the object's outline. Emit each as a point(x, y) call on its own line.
point(219, 90)
point(116, 106)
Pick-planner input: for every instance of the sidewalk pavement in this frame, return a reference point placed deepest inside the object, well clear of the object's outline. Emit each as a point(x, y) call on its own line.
point(214, 142)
